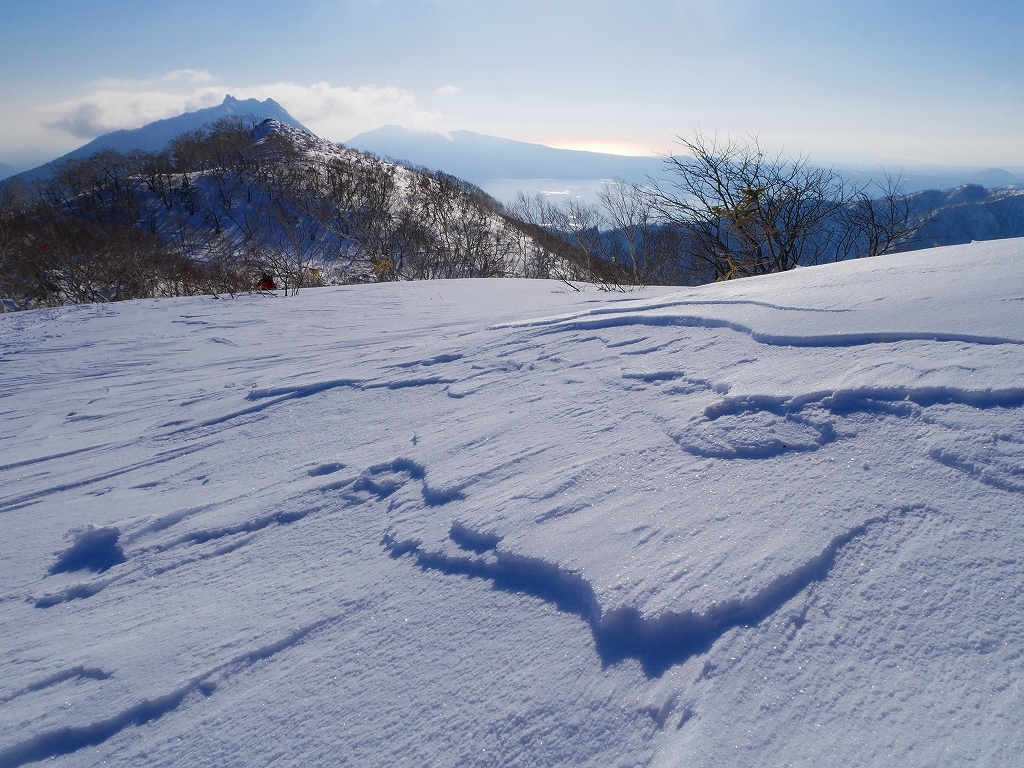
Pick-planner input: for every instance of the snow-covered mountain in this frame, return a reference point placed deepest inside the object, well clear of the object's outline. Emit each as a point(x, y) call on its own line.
point(486, 159)
point(967, 213)
point(774, 521)
point(922, 178)
point(155, 136)
point(478, 157)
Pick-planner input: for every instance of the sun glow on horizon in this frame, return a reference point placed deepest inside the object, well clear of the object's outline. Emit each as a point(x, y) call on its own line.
point(606, 146)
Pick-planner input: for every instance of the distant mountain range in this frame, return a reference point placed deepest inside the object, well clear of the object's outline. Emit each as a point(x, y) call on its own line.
point(963, 212)
point(477, 157)
point(919, 179)
point(483, 159)
point(967, 213)
point(499, 165)
point(155, 136)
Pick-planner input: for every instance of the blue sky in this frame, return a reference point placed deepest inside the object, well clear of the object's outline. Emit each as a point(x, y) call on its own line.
point(908, 82)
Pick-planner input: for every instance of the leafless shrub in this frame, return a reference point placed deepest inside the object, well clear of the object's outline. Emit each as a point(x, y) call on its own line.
point(748, 213)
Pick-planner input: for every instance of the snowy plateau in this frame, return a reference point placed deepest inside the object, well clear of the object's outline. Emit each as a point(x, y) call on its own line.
point(775, 521)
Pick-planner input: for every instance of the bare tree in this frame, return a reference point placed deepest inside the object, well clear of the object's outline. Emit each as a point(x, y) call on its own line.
point(14, 197)
point(880, 218)
point(629, 210)
point(748, 213)
point(572, 237)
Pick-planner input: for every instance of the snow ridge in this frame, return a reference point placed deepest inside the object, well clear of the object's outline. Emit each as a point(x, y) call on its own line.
point(871, 399)
point(657, 642)
point(558, 325)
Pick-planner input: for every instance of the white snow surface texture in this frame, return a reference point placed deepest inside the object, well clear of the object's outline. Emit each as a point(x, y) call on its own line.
point(771, 522)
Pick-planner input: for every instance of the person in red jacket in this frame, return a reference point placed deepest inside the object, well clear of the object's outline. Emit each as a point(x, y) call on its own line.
point(266, 283)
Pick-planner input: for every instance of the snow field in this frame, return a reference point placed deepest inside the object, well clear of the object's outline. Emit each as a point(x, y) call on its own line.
point(497, 522)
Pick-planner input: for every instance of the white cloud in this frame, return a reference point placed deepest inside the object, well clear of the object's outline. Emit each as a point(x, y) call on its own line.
point(340, 112)
point(448, 90)
point(192, 75)
point(111, 109)
point(336, 112)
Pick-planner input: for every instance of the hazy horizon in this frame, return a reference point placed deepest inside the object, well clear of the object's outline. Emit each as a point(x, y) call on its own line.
point(915, 84)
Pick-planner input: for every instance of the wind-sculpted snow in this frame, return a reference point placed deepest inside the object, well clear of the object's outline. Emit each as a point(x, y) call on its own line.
point(23, 500)
point(41, 459)
point(325, 469)
point(761, 427)
point(755, 435)
point(1000, 469)
point(473, 541)
point(653, 306)
point(78, 672)
point(79, 591)
point(98, 549)
point(203, 535)
point(611, 538)
point(272, 397)
point(278, 395)
point(656, 320)
point(382, 480)
point(866, 399)
point(662, 641)
point(435, 360)
point(657, 642)
point(95, 549)
point(507, 571)
point(64, 741)
point(300, 390)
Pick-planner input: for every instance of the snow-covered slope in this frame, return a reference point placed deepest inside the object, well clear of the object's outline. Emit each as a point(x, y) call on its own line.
point(771, 522)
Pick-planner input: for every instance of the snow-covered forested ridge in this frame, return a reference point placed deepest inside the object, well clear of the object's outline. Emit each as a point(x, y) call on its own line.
point(227, 204)
point(775, 521)
point(236, 205)
point(970, 212)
